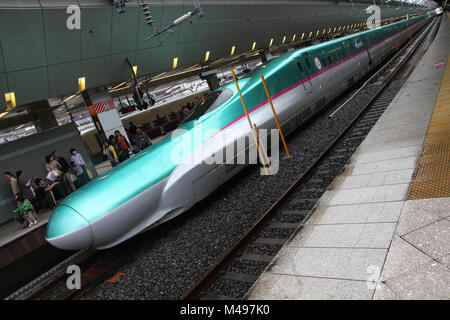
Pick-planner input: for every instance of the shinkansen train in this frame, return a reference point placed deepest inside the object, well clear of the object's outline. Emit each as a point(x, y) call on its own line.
point(168, 178)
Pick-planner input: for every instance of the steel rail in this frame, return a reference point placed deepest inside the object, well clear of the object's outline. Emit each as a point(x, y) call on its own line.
point(200, 287)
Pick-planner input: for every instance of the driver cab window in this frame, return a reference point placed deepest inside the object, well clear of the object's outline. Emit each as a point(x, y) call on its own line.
point(209, 103)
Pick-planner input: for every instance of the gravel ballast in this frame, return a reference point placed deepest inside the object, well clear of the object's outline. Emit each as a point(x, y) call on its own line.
point(183, 249)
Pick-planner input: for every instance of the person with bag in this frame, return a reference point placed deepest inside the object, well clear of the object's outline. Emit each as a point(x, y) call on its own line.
point(123, 144)
point(55, 173)
point(64, 169)
point(52, 164)
point(110, 152)
point(43, 195)
point(77, 170)
point(56, 176)
point(78, 158)
point(121, 155)
point(141, 139)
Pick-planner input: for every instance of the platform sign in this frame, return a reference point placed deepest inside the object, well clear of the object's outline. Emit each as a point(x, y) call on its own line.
point(111, 122)
point(108, 118)
point(100, 107)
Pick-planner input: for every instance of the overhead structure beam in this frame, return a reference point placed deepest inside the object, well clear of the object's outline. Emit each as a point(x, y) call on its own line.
point(188, 73)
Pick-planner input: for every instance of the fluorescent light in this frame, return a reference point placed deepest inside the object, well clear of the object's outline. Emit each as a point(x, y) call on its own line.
point(81, 84)
point(10, 98)
point(175, 63)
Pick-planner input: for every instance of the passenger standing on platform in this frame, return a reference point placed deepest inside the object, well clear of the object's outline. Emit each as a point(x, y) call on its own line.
point(27, 189)
point(110, 152)
point(78, 158)
point(64, 168)
point(128, 135)
point(43, 195)
point(55, 174)
point(52, 164)
point(15, 189)
point(78, 172)
point(25, 209)
point(123, 143)
point(119, 152)
point(12, 182)
point(141, 139)
point(132, 129)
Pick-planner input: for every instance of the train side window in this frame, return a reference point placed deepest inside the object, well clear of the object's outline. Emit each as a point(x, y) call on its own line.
point(307, 63)
point(300, 67)
point(329, 60)
point(324, 62)
point(335, 57)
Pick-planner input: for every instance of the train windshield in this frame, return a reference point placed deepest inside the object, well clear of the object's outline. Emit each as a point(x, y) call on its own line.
point(209, 103)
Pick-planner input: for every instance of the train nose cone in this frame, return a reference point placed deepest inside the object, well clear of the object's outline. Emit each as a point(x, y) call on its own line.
point(68, 230)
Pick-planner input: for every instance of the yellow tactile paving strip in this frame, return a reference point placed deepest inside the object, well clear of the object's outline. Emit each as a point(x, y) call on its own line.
point(431, 178)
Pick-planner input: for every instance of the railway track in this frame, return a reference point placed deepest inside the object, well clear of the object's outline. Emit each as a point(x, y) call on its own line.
point(284, 218)
point(273, 230)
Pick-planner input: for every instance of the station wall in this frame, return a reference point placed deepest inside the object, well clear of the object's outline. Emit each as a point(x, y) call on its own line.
point(37, 47)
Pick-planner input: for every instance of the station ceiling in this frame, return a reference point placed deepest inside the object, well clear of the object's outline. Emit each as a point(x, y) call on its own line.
point(41, 57)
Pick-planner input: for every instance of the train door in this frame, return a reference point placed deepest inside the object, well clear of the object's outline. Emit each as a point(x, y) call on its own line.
point(316, 67)
point(302, 67)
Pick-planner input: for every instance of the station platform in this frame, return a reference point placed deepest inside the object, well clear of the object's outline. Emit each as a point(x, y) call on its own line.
point(382, 230)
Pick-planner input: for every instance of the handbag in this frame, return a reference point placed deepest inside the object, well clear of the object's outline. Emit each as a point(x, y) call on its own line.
point(72, 177)
point(89, 173)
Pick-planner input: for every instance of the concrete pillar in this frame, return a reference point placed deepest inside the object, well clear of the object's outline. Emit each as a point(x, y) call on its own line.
point(43, 117)
point(265, 55)
point(211, 78)
point(103, 112)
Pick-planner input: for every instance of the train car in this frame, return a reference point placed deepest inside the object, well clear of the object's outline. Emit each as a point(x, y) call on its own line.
point(168, 178)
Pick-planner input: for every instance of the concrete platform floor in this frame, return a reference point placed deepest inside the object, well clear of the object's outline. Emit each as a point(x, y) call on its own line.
point(364, 239)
